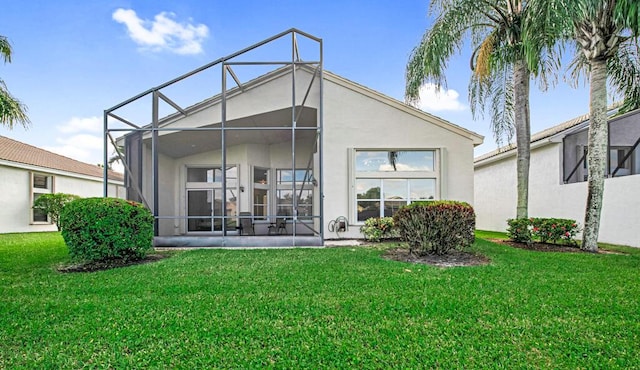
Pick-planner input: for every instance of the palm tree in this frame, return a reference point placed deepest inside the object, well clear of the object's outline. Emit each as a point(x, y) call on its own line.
point(12, 111)
point(501, 75)
point(605, 33)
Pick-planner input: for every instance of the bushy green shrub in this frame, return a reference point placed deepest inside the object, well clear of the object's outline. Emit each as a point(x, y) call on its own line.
point(101, 229)
point(378, 228)
point(436, 226)
point(544, 230)
point(519, 230)
point(52, 205)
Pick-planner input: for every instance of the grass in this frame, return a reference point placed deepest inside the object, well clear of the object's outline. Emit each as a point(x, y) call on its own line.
point(318, 308)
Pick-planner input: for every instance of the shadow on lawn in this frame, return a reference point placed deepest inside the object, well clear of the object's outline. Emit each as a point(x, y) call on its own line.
point(451, 259)
point(111, 264)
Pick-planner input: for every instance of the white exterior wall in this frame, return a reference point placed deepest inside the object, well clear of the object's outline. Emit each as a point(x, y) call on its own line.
point(355, 121)
point(351, 120)
point(15, 197)
point(495, 196)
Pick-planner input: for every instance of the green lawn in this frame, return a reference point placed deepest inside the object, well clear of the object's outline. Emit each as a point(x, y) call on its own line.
point(318, 308)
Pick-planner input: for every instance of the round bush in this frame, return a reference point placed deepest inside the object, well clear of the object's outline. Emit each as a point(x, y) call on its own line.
point(100, 229)
point(436, 227)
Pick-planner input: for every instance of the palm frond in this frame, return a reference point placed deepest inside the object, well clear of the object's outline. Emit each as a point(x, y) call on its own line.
point(496, 94)
point(624, 75)
point(429, 60)
point(12, 111)
point(5, 49)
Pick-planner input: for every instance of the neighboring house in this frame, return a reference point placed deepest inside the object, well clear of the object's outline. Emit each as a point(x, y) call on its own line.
point(557, 180)
point(28, 172)
point(307, 156)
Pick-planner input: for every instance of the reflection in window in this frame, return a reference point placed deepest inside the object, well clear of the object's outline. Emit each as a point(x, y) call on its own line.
point(260, 193)
point(210, 174)
point(41, 184)
point(285, 192)
point(383, 197)
point(404, 161)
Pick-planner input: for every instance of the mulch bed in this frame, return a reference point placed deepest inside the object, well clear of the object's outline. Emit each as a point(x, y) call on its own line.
point(452, 259)
point(545, 247)
point(107, 265)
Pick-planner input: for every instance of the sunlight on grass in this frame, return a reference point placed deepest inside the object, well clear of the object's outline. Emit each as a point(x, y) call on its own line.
point(311, 308)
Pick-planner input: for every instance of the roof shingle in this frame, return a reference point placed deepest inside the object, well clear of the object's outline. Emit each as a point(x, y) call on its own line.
point(16, 151)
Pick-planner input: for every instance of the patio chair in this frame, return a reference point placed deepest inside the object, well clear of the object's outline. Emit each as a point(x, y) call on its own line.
point(246, 224)
point(279, 227)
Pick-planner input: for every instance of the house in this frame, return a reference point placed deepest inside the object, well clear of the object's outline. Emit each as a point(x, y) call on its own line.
point(557, 179)
point(290, 156)
point(28, 172)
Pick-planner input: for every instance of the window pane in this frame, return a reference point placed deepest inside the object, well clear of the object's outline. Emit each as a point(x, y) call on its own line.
point(199, 202)
point(616, 156)
point(368, 188)
point(391, 207)
point(260, 176)
point(285, 176)
point(422, 189)
point(201, 174)
point(38, 214)
point(368, 209)
point(210, 174)
point(260, 197)
point(284, 210)
point(395, 188)
point(408, 161)
point(41, 182)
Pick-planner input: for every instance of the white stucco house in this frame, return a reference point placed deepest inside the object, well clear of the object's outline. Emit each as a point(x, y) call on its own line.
point(557, 180)
point(293, 156)
point(28, 172)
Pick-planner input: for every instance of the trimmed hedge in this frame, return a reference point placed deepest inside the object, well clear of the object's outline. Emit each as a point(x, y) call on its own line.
point(436, 226)
point(101, 229)
point(544, 230)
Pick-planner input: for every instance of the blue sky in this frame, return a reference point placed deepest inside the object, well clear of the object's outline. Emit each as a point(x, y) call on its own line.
point(74, 59)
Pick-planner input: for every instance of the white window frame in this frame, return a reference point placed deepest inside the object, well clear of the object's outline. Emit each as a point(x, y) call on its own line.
point(289, 186)
point(435, 175)
point(215, 185)
point(260, 186)
point(39, 191)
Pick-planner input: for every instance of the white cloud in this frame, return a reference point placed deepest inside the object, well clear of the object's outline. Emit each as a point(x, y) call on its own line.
point(77, 124)
point(432, 99)
point(163, 32)
point(81, 139)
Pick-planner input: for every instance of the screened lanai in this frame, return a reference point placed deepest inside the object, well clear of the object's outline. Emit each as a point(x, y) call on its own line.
point(231, 152)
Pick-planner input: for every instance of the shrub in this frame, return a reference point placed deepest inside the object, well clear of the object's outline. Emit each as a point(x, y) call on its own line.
point(519, 230)
point(378, 228)
point(52, 205)
point(544, 230)
point(436, 226)
point(101, 229)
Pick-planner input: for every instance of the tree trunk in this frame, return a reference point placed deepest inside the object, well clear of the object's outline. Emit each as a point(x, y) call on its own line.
point(523, 135)
point(596, 154)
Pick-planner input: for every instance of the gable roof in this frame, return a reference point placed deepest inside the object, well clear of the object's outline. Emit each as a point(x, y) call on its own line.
point(548, 135)
point(476, 138)
point(19, 152)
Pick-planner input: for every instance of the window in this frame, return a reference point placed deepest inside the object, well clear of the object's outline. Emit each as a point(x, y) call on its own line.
point(205, 209)
point(618, 162)
point(260, 193)
point(385, 180)
point(285, 192)
point(40, 184)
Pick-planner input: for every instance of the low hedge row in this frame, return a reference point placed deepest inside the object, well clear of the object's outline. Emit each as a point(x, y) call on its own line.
point(543, 230)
